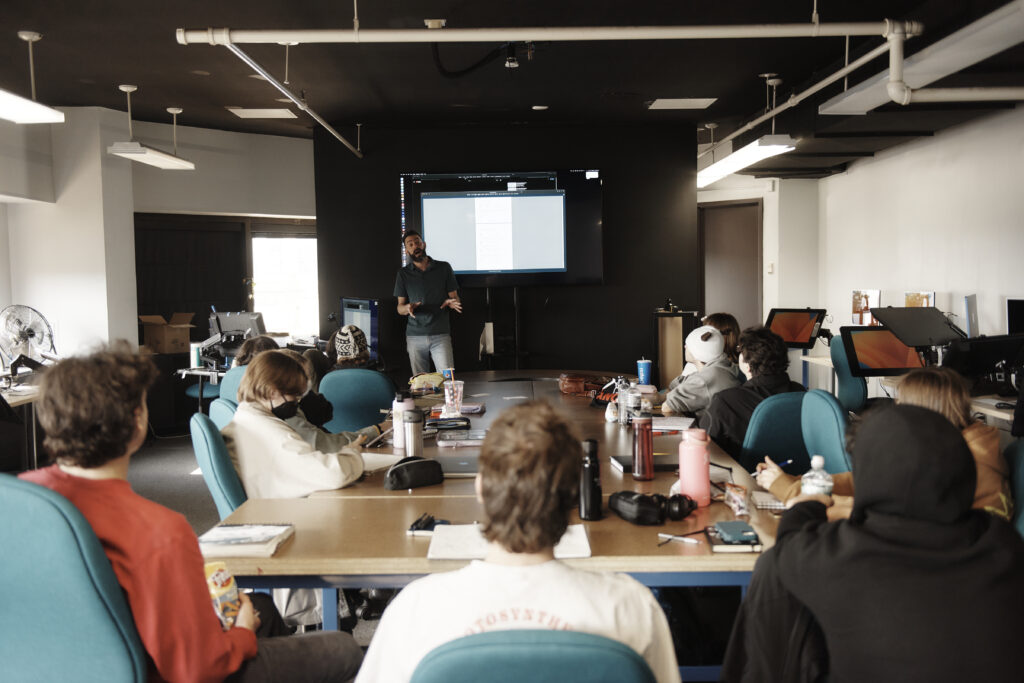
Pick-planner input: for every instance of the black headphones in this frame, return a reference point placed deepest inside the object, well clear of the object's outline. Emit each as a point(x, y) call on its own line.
point(639, 508)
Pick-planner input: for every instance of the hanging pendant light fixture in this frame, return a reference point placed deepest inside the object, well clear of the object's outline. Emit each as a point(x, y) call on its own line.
point(147, 155)
point(22, 110)
point(764, 147)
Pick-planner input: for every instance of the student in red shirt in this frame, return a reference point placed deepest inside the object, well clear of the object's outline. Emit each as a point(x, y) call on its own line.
point(93, 410)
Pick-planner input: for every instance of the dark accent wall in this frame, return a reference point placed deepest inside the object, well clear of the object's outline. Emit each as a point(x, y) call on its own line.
point(650, 236)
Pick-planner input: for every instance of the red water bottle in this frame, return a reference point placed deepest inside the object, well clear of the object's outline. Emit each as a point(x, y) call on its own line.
point(643, 448)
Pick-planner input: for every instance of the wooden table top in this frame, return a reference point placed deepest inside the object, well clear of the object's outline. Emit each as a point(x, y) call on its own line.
point(23, 394)
point(360, 530)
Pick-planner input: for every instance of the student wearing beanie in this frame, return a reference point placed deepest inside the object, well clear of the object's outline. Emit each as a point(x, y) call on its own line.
point(705, 348)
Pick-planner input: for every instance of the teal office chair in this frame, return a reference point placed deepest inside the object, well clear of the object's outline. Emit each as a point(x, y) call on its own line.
point(218, 471)
point(774, 430)
point(823, 424)
point(539, 656)
point(851, 391)
point(227, 491)
point(1014, 455)
point(65, 617)
point(357, 395)
point(230, 382)
point(222, 411)
point(209, 392)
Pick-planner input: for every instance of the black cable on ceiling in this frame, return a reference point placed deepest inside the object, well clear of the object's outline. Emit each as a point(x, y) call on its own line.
point(447, 73)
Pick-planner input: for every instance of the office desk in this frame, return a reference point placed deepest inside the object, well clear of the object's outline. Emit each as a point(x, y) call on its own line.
point(26, 395)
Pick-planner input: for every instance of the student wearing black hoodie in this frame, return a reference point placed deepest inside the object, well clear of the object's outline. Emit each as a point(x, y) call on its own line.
point(914, 586)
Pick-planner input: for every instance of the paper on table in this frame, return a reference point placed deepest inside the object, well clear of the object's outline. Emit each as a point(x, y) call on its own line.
point(671, 423)
point(373, 461)
point(465, 542)
point(515, 398)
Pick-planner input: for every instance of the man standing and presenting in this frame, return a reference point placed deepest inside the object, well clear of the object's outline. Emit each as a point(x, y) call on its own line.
point(425, 288)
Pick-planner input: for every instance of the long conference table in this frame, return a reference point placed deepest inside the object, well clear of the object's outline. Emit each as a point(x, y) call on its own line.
point(356, 537)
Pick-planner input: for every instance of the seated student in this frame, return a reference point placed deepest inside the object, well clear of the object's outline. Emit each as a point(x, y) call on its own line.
point(273, 459)
point(945, 392)
point(763, 359)
point(252, 347)
point(915, 586)
point(528, 480)
point(730, 329)
point(93, 409)
point(705, 348)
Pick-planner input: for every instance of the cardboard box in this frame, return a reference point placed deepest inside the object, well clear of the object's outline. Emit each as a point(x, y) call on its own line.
point(164, 336)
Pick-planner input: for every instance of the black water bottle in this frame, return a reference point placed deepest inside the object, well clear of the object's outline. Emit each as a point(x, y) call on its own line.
point(590, 483)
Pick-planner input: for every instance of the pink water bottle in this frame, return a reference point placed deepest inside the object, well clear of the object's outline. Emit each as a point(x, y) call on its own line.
point(695, 467)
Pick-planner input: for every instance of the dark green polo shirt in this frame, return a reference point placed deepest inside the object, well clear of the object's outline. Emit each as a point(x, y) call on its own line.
point(431, 286)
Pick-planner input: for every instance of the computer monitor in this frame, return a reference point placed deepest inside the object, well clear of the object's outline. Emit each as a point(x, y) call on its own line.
point(1014, 316)
point(877, 352)
point(971, 315)
point(981, 356)
point(798, 327)
point(364, 314)
point(245, 323)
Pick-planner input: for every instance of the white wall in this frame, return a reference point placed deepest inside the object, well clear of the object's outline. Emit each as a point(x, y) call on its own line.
point(26, 162)
point(236, 173)
point(944, 213)
point(74, 259)
point(5, 260)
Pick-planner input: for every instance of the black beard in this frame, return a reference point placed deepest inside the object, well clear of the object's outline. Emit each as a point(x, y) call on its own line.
point(419, 256)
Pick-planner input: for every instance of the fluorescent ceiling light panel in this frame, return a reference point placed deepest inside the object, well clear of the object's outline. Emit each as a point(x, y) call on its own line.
point(986, 37)
point(21, 110)
point(762, 148)
point(262, 113)
point(682, 103)
point(148, 155)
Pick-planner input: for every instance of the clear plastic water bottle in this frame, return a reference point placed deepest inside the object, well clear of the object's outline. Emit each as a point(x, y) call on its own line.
point(816, 482)
point(622, 399)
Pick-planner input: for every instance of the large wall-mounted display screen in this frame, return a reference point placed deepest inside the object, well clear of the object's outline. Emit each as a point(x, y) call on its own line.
point(497, 229)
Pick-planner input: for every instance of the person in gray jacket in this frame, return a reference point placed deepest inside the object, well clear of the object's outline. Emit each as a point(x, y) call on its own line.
point(705, 348)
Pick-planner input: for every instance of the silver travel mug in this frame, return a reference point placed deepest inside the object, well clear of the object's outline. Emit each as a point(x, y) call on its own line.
point(412, 421)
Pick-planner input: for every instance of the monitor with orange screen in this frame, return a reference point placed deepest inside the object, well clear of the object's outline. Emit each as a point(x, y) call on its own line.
point(877, 352)
point(798, 327)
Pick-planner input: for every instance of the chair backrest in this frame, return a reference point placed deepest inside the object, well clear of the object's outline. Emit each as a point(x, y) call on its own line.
point(357, 396)
point(823, 423)
point(218, 471)
point(64, 614)
point(230, 381)
point(539, 656)
point(774, 430)
point(222, 411)
point(1014, 455)
point(852, 391)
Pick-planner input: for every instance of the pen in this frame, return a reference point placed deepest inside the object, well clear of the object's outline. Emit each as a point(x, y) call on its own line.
point(681, 539)
point(788, 462)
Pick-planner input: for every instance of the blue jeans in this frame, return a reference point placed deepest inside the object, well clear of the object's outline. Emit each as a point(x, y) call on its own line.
point(423, 348)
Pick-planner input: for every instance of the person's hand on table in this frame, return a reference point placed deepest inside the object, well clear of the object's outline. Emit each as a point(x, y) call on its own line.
point(248, 617)
point(767, 473)
point(827, 501)
point(453, 304)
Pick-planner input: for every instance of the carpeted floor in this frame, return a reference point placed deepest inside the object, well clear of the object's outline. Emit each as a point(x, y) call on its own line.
point(162, 471)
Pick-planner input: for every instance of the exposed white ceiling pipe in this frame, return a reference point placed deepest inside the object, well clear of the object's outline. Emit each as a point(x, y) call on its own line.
point(255, 66)
point(901, 93)
point(973, 43)
point(229, 37)
point(226, 36)
point(797, 99)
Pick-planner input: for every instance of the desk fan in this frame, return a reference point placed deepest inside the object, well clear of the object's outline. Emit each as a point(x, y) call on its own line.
point(25, 332)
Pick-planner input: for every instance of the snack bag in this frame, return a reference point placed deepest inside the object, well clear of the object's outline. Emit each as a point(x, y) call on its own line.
point(223, 592)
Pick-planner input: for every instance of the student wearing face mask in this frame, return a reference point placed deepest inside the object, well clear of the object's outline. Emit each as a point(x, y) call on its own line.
point(272, 459)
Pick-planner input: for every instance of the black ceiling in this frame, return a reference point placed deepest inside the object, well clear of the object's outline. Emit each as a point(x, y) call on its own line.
point(89, 47)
